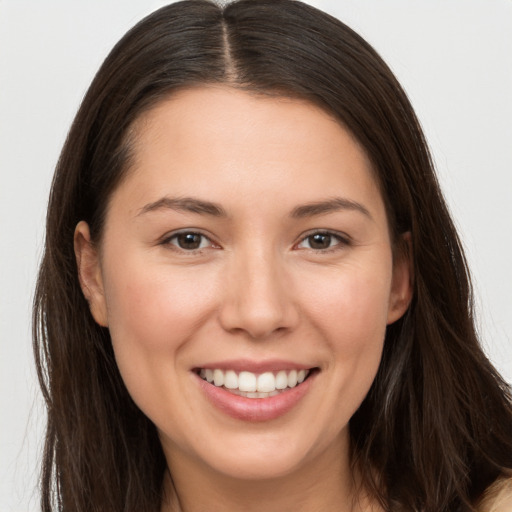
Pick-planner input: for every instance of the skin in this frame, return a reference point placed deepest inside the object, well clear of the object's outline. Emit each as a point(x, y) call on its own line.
point(256, 289)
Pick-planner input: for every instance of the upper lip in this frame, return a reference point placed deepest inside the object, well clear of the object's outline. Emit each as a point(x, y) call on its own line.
point(240, 365)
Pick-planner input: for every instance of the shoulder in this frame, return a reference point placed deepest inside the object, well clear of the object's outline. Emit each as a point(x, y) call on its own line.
point(497, 497)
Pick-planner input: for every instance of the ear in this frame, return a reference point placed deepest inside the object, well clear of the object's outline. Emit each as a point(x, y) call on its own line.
point(403, 278)
point(89, 273)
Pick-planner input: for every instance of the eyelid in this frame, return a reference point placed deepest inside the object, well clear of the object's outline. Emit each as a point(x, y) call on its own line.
point(343, 239)
point(166, 240)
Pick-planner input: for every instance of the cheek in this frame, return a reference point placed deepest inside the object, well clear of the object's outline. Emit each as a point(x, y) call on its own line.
point(350, 313)
point(152, 305)
point(351, 307)
point(363, 311)
point(153, 310)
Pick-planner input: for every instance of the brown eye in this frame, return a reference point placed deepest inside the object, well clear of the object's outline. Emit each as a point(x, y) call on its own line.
point(189, 241)
point(320, 241)
point(323, 241)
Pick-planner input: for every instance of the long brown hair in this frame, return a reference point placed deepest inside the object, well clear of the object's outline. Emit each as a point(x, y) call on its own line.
point(436, 427)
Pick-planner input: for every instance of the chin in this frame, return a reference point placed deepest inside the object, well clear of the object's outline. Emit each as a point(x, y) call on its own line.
point(261, 465)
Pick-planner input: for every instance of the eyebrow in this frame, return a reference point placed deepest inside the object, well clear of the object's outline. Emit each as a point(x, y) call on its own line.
point(193, 205)
point(329, 206)
point(186, 204)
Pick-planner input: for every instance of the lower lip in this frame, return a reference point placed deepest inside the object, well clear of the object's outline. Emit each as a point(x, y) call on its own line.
point(255, 409)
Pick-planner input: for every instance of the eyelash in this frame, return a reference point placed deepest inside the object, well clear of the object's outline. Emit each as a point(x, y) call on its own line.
point(168, 241)
point(341, 239)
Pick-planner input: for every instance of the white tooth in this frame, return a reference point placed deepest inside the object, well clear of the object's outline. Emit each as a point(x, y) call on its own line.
point(266, 382)
point(273, 393)
point(301, 375)
point(218, 377)
point(202, 373)
point(247, 381)
point(252, 395)
point(231, 380)
point(209, 375)
point(281, 380)
point(292, 379)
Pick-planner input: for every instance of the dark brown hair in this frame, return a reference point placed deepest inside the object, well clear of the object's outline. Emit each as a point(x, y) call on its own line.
point(436, 427)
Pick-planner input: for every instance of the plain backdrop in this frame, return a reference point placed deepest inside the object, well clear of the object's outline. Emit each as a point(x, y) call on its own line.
point(452, 57)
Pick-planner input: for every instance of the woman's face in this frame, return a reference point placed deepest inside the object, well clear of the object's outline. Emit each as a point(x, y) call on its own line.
point(249, 244)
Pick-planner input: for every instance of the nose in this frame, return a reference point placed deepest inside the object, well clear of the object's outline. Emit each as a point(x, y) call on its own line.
point(258, 298)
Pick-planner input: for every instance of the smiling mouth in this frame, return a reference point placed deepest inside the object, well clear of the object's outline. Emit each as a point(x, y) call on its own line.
point(253, 385)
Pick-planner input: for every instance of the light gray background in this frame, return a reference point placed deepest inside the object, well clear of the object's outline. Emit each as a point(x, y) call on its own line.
point(452, 56)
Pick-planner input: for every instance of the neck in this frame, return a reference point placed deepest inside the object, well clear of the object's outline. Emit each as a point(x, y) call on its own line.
point(325, 483)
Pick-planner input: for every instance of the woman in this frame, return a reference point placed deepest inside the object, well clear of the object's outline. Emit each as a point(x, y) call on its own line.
point(266, 305)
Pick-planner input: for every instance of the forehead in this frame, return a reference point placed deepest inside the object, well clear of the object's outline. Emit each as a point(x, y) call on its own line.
point(222, 143)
